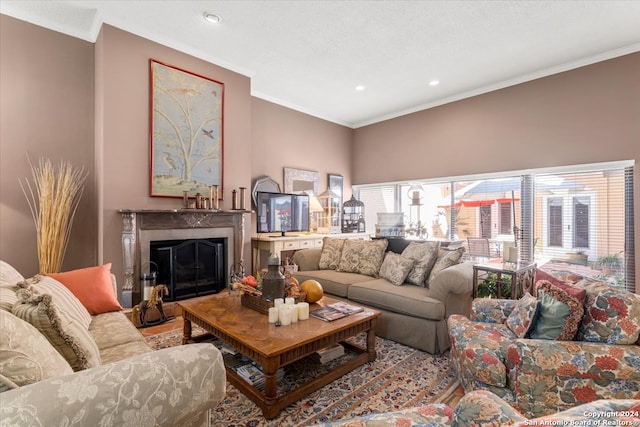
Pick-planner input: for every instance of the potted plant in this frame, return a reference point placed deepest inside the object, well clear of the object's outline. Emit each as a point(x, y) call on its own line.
point(579, 257)
point(610, 263)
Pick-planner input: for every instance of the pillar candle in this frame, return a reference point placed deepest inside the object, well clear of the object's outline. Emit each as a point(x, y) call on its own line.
point(289, 301)
point(284, 314)
point(303, 310)
point(273, 314)
point(278, 302)
point(294, 313)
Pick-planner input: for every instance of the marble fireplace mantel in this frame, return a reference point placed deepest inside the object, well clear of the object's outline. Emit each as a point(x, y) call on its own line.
point(141, 225)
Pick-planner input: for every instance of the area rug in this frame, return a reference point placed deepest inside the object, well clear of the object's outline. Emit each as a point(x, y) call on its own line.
point(401, 377)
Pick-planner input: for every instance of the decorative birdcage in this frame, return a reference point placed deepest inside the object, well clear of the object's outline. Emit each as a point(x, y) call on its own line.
point(353, 216)
point(330, 202)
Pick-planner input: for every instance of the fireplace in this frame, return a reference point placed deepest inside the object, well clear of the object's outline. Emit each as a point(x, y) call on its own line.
point(190, 268)
point(168, 238)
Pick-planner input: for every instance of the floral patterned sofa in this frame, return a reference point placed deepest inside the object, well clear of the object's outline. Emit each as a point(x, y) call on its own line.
point(570, 344)
point(61, 364)
point(483, 408)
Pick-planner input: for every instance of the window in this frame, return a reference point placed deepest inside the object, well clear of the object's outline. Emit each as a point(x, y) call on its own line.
point(505, 218)
point(556, 213)
point(554, 228)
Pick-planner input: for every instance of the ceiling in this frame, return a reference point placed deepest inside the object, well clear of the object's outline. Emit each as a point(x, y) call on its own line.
point(310, 55)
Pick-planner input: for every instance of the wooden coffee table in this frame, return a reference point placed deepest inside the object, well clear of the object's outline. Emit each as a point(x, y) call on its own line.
point(272, 347)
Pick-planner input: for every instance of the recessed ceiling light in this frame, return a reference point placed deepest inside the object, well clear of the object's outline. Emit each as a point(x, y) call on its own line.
point(360, 88)
point(212, 17)
point(434, 83)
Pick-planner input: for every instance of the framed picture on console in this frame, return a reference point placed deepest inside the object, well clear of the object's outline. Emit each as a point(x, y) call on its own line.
point(299, 181)
point(186, 132)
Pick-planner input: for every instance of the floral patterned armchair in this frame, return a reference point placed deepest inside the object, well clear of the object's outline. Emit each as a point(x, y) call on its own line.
point(496, 350)
point(483, 408)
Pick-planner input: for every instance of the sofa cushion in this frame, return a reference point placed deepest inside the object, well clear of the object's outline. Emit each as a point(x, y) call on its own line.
point(331, 253)
point(425, 254)
point(92, 286)
point(113, 329)
point(446, 258)
point(26, 356)
point(61, 296)
point(521, 317)
point(64, 332)
point(395, 268)
point(611, 315)
point(9, 276)
point(333, 282)
point(560, 312)
point(362, 256)
point(409, 299)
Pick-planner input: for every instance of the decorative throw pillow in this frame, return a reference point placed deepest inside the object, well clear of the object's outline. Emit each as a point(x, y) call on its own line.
point(425, 256)
point(521, 318)
point(9, 276)
point(331, 253)
point(66, 334)
point(446, 258)
point(611, 315)
point(560, 310)
point(92, 286)
point(362, 256)
point(61, 296)
point(8, 298)
point(26, 356)
point(395, 268)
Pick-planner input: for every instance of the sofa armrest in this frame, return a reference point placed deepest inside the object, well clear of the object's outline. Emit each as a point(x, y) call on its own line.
point(483, 408)
point(457, 279)
point(307, 259)
point(491, 310)
point(169, 387)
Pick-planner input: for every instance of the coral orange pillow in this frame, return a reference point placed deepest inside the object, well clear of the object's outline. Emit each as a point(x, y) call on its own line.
point(92, 286)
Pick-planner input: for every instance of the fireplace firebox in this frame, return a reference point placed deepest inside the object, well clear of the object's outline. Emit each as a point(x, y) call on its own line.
point(191, 267)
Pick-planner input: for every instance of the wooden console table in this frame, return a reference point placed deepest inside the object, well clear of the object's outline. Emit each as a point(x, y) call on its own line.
point(280, 244)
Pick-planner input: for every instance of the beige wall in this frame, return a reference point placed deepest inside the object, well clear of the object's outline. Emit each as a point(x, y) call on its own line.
point(123, 136)
point(46, 110)
point(260, 138)
point(587, 115)
point(286, 138)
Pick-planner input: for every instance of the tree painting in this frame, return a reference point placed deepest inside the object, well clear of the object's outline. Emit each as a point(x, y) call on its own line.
point(186, 132)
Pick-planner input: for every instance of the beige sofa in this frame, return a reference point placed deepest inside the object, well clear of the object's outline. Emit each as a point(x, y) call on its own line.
point(413, 315)
point(59, 365)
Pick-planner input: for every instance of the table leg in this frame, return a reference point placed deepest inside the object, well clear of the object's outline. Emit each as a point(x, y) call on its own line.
point(186, 332)
point(270, 370)
point(371, 341)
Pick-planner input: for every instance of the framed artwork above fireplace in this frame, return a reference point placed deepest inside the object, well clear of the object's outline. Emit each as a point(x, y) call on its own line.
point(186, 134)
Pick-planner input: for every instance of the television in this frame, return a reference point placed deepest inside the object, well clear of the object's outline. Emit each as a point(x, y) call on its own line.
point(282, 212)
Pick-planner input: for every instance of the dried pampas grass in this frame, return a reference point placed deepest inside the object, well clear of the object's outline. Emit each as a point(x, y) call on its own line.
point(53, 202)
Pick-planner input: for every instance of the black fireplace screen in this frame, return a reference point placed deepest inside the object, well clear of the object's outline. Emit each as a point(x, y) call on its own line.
point(190, 268)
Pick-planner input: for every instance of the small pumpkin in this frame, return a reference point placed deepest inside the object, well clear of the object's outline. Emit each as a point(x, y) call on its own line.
point(313, 290)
